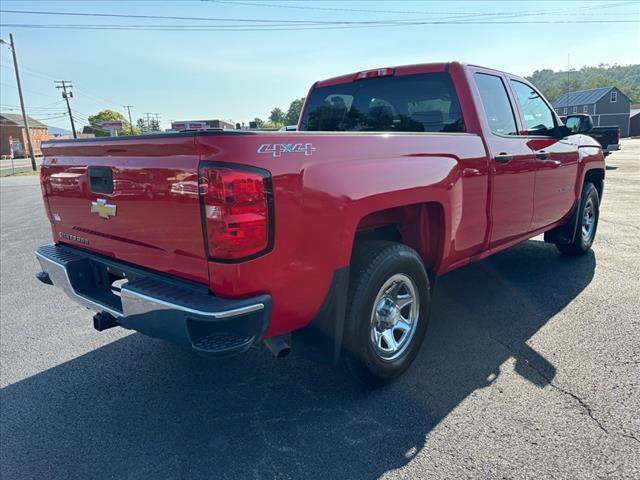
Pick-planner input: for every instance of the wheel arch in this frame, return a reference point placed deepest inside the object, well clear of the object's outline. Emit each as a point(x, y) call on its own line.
point(420, 226)
point(596, 177)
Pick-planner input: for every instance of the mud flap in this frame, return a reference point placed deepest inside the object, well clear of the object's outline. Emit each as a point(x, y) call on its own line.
point(321, 340)
point(565, 233)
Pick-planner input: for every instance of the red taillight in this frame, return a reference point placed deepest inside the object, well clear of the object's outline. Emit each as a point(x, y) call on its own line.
point(378, 72)
point(236, 210)
point(45, 197)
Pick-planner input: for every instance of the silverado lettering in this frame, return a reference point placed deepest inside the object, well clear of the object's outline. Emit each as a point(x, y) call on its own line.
point(217, 246)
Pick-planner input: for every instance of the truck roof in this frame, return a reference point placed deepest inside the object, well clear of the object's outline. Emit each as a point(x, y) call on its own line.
point(403, 70)
point(398, 69)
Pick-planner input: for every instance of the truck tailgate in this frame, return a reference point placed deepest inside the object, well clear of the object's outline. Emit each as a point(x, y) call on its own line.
point(135, 200)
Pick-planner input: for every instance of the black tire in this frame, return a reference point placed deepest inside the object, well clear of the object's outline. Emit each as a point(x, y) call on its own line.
point(375, 263)
point(581, 244)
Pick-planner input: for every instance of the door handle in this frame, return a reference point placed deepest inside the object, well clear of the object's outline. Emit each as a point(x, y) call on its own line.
point(503, 158)
point(542, 155)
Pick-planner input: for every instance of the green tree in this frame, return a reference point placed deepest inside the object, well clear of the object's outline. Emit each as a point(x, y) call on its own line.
point(293, 114)
point(154, 125)
point(276, 117)
point(141, 125)
point(259, 122)
point(95, 123)
point(554, 84)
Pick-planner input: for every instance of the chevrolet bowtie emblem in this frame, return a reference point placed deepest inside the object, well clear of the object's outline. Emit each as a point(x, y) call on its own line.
point(103, 209)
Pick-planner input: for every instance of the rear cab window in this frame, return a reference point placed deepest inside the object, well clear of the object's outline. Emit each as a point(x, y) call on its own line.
point(406, 103)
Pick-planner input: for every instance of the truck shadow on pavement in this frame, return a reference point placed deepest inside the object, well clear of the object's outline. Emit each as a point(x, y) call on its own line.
point(140, 408)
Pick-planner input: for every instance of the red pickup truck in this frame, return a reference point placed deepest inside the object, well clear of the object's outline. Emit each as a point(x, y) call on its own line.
point(330, 238)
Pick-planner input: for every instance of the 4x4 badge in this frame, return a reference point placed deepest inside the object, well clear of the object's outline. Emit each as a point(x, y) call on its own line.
point(103, 209)
point(279, 149)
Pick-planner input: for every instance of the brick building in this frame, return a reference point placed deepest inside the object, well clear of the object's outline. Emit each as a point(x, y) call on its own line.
point(11, 125)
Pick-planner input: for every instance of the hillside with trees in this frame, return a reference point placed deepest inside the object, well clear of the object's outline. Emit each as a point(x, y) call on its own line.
point(553, 84)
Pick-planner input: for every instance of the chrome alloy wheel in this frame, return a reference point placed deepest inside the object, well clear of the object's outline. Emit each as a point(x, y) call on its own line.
point(394, 317)
point(588, 221)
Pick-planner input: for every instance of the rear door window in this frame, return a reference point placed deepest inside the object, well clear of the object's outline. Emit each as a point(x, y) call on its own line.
point(497, 106)
point(407, 103)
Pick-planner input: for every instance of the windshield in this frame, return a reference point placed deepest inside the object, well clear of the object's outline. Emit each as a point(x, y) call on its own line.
point(409, 103)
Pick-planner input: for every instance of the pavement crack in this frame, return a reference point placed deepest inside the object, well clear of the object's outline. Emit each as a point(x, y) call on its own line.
point(585, 406)
point(630, 436)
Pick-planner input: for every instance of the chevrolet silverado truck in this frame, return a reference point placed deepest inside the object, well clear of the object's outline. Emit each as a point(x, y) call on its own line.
point(607, 137)
point(327, 239)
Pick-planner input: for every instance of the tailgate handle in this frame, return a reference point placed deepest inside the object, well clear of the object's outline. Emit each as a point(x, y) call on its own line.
point(101, 179)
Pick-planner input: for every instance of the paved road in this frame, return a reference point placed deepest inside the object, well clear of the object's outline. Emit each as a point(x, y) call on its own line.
point(18, 165)
point(531, 369)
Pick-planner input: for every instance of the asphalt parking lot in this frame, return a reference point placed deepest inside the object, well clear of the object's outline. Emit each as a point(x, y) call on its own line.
point(530, 369)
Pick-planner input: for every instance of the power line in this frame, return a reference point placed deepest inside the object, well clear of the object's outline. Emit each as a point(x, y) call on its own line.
point(14, 108)
point(580, 11)
point(223, 28)
point(122, 15)
point(83, 90)
point(85, 119)
point(42, 111)
point(35, 92)
point(402, 12)
point(283, 23)
point(486, 18)
point(50, 118)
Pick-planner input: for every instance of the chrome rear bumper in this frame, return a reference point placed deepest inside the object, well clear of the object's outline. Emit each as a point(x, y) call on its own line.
point(155, 304)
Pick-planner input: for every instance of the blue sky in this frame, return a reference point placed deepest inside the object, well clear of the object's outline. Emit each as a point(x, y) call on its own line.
point(238, 75)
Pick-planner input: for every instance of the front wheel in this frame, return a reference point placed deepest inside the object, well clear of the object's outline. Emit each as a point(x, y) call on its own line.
point(587, 222)
point(389, 301)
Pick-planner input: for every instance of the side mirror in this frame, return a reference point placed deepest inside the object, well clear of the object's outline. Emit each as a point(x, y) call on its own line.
point(581, 123)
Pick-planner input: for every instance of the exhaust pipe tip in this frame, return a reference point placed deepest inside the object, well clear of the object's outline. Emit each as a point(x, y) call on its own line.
point(278, 346)
point(44, 278)
point(103, 321)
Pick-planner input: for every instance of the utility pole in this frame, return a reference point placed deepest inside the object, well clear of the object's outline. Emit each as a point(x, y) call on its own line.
point(568, 79)
point(157, 115)
point(64, 84)
point(148, 119)
point(129, 107)
point(12, 46)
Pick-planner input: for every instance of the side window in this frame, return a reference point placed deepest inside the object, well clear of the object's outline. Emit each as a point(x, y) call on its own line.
point(496, 104)
point(614, 96)
point(538, 116)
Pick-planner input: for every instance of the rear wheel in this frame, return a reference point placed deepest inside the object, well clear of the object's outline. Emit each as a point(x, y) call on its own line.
point(389, 300)
point(587, 222)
